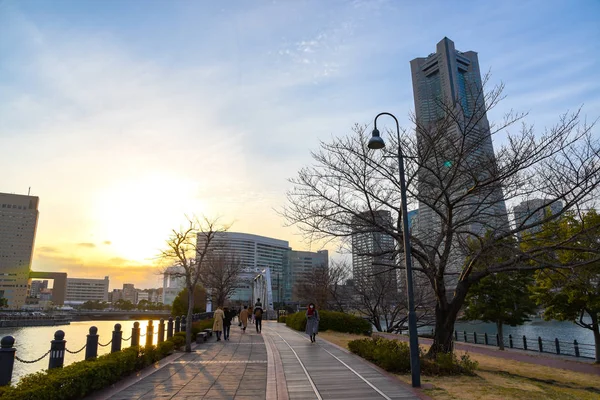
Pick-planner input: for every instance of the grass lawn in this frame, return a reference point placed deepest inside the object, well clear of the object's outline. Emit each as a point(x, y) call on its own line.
point(500, 379)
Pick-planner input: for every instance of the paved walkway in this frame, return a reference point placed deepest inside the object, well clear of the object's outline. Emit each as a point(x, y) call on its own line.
point(278, 364)
point(548, 360)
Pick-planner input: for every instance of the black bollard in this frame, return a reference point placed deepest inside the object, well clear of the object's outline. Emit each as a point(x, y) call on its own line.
point(510, 342)
point(524, 342)
point(465, 336)
point(498, 340)
point(149, 333)
point(135, 334)
point(540, 345)
point(57, 350)
point(116, 339)
point(7, 359)
point(170, 328)
point(91, 347)
point(576, 346)
point(557, 344)
point(177, 324)
point(183, 323)
point(161, 331)
point(485, 338)
point(475, 337)
point(456, 335)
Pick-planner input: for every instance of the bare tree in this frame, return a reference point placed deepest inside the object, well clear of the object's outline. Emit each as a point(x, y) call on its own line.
point(459, 184)
point(323, 286)
point(190, 257)
point(221, 274)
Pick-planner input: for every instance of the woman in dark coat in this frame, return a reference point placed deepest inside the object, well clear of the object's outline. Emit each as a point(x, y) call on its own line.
point(229, 314)
point(312, 322)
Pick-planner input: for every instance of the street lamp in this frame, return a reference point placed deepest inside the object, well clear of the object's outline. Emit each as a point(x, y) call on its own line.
point(376, 142)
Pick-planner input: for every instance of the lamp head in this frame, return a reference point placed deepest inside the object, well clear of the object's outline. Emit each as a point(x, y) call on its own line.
point(376, 142)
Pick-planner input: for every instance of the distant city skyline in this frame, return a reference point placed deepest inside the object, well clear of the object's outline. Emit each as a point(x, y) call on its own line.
point(123, 120)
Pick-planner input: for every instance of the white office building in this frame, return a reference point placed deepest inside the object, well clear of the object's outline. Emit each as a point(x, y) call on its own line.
point(80, 290)
point(172, 284)
point(256, 253)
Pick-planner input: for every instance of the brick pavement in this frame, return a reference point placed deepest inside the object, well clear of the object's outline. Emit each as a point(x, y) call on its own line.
point(278, 364)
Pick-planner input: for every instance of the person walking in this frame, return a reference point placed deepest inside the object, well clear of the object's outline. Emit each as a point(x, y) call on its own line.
point(218, 322)
point(258, 313)
point(229, 314)
point(312, 322)
point(244, 318)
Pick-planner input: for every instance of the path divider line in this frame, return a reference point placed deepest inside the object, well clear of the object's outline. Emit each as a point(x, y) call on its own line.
point(304, 368)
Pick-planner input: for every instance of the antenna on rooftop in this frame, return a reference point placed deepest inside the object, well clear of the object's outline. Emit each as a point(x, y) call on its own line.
point(29, 191)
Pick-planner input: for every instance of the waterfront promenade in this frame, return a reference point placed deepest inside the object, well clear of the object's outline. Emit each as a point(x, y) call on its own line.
point(278, 364)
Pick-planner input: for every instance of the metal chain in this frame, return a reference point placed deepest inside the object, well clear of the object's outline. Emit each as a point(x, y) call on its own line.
point(78, 351)
point(31, 362)
point(104, 345)
point(126, 340)
point(143, 335)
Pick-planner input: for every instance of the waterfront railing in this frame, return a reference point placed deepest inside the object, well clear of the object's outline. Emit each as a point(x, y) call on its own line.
point(556, 346)
point(58, 348)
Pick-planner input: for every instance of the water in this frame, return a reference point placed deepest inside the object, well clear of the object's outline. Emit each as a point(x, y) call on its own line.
point(564, 331)
point(33, 342)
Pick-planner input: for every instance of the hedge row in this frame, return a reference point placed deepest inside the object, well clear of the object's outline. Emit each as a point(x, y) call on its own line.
point(331, 320)
point(394, 356)
point(84, 377)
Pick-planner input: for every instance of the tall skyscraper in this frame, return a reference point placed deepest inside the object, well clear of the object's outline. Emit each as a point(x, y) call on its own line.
point(448, 82)
point(533, 211)
point(255, 253)
point(18, 224)
point(301, 267)
point(373, 250)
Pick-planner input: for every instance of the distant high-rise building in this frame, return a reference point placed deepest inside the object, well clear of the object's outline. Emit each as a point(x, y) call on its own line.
point(129, 293)
point(373, 250)
point(36, 286)
point(173, 283)
point(533, 211)
point(302, 265)
point(255, 253)
point(80, 290)
point(450, 81)
point(18, 223)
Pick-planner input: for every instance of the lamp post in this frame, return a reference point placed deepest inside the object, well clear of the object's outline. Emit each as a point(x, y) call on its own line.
point(376, 142)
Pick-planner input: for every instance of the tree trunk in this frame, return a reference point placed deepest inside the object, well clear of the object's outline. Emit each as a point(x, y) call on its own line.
point(188, 325)
point(500, 335)
point(596, 330)
point(445, 317)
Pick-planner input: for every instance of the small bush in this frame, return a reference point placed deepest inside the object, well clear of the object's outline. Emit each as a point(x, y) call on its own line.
point(394, 356)
point(178, 340)
point(282, 319)
point(199, 326)
point(331, 320)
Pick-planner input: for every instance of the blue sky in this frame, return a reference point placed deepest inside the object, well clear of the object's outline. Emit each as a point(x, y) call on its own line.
point(124, 115)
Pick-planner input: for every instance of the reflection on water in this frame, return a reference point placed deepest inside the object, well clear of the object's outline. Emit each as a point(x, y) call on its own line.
point(32, 342)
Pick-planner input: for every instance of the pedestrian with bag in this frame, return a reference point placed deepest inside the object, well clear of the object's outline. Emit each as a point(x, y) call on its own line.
point(258, 313)
point(312, 322)
point(218, 322)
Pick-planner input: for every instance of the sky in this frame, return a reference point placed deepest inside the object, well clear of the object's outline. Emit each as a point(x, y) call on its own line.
point(124, 116)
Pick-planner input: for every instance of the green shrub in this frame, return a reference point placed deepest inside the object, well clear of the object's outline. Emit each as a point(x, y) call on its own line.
point(331, 320)
point(394, 356)
point(282, 319)
point(79, 379)
point(199, 326)
point(178, 340)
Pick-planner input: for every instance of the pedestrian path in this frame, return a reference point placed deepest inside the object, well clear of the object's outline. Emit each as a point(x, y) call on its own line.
point(279, 364)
